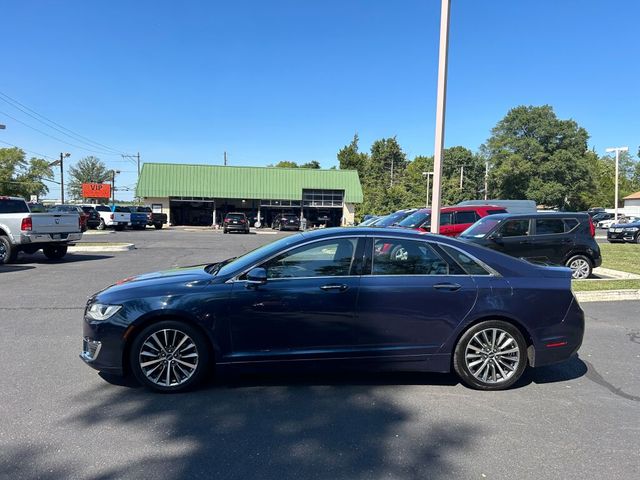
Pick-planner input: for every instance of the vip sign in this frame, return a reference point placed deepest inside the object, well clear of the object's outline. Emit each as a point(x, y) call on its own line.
point(96, 190)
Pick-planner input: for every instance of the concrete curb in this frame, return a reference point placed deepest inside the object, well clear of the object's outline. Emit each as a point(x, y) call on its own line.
point(607, 295)
point(98, 232)
point(120, 247)
point(615, 274)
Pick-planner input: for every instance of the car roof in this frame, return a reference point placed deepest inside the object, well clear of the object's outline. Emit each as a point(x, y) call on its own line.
point(463, 208)
point(501, 216)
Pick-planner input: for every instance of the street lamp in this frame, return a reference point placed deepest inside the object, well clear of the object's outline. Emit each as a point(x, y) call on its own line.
point(61, 163)
point(113, 186)
point(617, 150)
point(427, 175)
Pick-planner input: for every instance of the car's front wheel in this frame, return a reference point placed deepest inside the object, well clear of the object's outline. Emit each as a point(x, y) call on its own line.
point(102, 225)
point(491, 355)
point(169, 356)
point(580, 267)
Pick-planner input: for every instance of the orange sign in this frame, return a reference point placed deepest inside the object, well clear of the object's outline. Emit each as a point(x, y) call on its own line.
point(96, 190)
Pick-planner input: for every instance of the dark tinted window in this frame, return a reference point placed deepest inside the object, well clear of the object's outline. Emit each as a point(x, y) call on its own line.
point(319, 259)
point(514, 228)
point(548, 226)
point(103, 208)
point(235, 216)
point(493, 212)
point(469, 265)
point(446, 218)
point(13, 206)
point(481, 228)
point(416, 219)
point(396, 256)
point(466, 217)
point(144, 209)
point(570, 224)
point(121, 209)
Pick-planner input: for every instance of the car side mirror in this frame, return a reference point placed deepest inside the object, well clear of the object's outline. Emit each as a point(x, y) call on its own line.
point(257, 276)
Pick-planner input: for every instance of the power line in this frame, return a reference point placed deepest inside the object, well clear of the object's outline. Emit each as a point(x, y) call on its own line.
point(29, 151)
point(56, 138)
point(54, 125)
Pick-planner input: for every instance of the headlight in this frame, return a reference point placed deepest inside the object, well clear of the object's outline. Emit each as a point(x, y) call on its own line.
point(99, 311)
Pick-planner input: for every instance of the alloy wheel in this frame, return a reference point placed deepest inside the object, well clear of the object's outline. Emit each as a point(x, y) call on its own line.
point(492, 356)
point(168, 357)
point(580, 268)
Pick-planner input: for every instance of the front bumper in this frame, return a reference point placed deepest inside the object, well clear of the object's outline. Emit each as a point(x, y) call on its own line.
point(103, 346)
point(621, 236)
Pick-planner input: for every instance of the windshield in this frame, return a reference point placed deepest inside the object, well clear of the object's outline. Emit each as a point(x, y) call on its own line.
point(416, 219)
point(391, 219)
point(251, 257)
point(235, 216)
point(481, 227)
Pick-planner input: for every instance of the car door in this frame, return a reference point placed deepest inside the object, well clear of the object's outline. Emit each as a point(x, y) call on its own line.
point(306, 307)
point(446, 224)
point(513, 238)
point(412, 300)
point(549, 242)
point(463, 220)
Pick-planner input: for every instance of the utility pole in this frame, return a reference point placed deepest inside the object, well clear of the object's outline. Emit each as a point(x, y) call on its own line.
point(138, 166)
point(461, 175)
point(486, 180)
point(441, 99)
point(617, 150)
point(113, 186)
point(392, 171)
point(62, 157)
point(225, 159)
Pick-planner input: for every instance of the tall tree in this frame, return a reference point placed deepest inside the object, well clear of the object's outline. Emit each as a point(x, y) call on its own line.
point(284, 164)
point(19, 177)
point(350, 158)
point(539, 157)
point(88, 170)
point(312, 164)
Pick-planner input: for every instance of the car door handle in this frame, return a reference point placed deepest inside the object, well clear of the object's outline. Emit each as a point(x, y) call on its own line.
point(333, 286)
point(452, 287)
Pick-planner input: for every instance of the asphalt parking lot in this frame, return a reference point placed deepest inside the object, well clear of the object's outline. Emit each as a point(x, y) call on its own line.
point(580, 419)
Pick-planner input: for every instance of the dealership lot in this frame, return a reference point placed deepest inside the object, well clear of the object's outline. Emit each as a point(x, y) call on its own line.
point(60, 419)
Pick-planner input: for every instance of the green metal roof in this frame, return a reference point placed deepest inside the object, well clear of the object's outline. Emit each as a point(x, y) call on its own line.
point(266, 183)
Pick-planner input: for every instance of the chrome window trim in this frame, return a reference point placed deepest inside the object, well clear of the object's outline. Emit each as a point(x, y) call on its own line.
point(235, 278)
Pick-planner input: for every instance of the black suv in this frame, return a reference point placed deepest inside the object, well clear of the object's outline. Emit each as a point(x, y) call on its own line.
point(235, 222)
point(286, 221)
point(555, 238)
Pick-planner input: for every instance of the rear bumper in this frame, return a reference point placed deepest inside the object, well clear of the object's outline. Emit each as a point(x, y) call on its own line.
point(239, 228)
point(559, 342)
point(30, 238)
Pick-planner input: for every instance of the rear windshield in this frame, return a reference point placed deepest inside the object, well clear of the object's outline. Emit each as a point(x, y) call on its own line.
point(493, 212)
point(13, 206)
point(144, 209)
point(391, 219)
point(88, 209)
point(481, 227)
point(289, 215)
point(103, 208)
point(236, 216)
point(121, 210)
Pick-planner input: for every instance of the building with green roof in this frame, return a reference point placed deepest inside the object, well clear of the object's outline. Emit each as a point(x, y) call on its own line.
point(203, 194)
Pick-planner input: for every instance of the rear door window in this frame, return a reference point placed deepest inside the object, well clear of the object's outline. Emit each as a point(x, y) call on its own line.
point(446, 218)
point(549, 226)
point(466, 217)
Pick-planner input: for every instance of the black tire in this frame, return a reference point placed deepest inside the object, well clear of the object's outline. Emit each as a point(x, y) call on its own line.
point(119, 228)
point(102, 225)
point(55, 252)
point(489, 358)
point(637, 238)
point(224, 230)
point(157, 226)
point(8, 253)
point(181, 378)
point(581, 266)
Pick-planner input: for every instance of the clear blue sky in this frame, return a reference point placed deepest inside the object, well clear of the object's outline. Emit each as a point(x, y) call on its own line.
point(293, 80)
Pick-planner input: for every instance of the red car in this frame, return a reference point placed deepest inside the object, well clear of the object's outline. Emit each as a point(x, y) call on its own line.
point(453, 220)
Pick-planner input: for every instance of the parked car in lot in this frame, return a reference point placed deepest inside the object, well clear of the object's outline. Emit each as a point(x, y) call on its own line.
point(286, 221)
point(555, 238)
point(137, 220)
point(368, 221)
point(93, 221)
point(612, 221)
point(113, 216)
point(235, 222)
point(598, 217)
point(84, 217)
point(453, 220)
point(326, 298)
point(624, 232)
point(24, 231)
point(393, 218)
point(155, 219)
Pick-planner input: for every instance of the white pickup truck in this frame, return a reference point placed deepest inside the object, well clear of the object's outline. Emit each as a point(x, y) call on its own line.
point(23, 231)
point(114, 216)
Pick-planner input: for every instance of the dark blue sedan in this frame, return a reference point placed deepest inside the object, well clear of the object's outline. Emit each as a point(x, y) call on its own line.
point(365, 297)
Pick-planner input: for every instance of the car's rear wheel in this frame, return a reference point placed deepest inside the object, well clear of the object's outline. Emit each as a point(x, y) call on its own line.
point(55, 252)
point(8, 253)
point(491, 355)
point(580, 267)
point(158, 226)
point(169, 356)
point(102, 225)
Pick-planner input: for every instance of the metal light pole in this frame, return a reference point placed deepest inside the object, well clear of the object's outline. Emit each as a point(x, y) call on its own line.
point(440, 115)
point(62, 157)
point(427, 175)
point(113, 186)
point(486, 180)
point(617, 150)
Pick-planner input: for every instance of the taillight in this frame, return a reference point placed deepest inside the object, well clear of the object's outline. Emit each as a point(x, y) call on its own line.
point(592, 227)
point(242, 221)
point(26, 224)
point(111, 216)
point(149, 216)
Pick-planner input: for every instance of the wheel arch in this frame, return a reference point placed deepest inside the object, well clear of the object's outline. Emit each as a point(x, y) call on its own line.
point(134, 330)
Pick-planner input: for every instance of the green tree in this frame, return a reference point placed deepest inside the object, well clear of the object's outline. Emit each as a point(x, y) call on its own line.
point(22, 178)
point(537, 156)
point(312, 164)
point(350, 158)
point(88, 170)
point(284, 164)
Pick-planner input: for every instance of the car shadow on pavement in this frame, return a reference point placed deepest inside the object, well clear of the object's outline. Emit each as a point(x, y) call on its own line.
point(14, 268)
point(69, 258)
point(298, 431)
point(561, 372)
